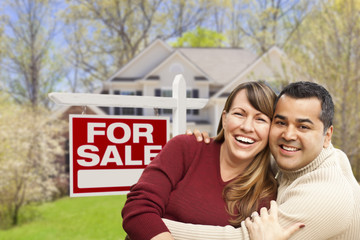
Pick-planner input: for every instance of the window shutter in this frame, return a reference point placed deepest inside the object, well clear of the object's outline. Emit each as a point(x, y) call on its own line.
point(195, 94)
point(117, 110)
point(139, 111)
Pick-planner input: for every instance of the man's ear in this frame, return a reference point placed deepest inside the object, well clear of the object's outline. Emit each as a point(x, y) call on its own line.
point(328, 136)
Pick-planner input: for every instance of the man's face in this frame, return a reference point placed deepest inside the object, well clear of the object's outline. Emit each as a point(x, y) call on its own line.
point(297, 133)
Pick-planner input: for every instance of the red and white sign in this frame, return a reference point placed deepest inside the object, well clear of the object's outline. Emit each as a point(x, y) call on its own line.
point(109, 153)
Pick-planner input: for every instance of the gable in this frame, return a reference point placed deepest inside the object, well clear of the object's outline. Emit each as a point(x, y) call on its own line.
point(178, 64)
point(268, 67)
point(144, 62)
point(221, 64)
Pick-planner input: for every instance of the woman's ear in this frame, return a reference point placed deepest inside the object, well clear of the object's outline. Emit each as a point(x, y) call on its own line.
point(223, 118)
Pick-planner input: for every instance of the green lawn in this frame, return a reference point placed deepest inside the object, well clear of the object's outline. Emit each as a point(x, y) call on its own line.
point(72, 219)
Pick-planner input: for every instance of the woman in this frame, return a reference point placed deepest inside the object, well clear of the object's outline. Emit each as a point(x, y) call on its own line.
point(218, 183)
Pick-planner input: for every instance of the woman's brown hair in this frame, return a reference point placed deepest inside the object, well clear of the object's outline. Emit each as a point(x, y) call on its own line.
point(243, 194)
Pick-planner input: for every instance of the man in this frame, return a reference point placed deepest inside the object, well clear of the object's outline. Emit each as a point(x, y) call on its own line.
point(316, 183)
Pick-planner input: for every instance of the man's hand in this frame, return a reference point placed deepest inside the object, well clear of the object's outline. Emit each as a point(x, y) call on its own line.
point(267, 227)
point(200, 136)
point(163, 236)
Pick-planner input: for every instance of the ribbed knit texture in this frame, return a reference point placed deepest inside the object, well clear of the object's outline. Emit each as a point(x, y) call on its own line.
point(324, 195)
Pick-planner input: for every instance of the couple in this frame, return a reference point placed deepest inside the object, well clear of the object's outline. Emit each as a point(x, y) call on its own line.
point(185, 182)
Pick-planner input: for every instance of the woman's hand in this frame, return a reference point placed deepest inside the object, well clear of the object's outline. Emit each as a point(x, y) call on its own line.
point(200, 136)
point(267, 227)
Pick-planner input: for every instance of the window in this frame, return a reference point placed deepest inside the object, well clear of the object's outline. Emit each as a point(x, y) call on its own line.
point(126, 110)
point(194, 93)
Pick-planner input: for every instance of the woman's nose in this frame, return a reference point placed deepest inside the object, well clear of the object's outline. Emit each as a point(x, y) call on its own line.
point(247, 125)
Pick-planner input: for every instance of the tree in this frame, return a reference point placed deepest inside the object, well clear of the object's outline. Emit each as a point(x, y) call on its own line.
point(327, 49)
point(259, 24)
point(179, 16)
point(201, 37)
point(30, 144)
point(104, 35)
point(29, 62)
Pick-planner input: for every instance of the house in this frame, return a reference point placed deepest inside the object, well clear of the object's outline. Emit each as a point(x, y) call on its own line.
point(209, 73)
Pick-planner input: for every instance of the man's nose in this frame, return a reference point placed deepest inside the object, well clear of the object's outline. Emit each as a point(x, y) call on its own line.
point(289, 133)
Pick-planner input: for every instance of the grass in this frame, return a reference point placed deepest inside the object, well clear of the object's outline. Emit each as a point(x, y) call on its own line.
point(83, 218)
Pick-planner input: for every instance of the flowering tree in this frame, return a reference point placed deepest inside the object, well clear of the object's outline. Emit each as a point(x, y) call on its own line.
point(30, 145)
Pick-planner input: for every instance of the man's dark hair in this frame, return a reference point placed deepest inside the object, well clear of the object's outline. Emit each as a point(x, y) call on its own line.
point(304, 89)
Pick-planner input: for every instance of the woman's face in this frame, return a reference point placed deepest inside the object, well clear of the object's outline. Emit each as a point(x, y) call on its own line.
point(246, 130)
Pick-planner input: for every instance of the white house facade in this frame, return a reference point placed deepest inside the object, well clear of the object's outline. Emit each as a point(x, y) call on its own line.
point(209, 73)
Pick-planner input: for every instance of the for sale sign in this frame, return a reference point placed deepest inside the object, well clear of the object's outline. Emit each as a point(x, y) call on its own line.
point(109, 153)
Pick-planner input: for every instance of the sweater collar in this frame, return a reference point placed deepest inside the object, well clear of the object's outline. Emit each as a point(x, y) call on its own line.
point(310, 167)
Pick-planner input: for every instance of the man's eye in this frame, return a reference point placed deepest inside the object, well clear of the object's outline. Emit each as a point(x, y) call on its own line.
point(280, 123)
point(304, 127)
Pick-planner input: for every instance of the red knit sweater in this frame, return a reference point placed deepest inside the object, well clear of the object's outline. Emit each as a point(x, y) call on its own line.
point(182, 183)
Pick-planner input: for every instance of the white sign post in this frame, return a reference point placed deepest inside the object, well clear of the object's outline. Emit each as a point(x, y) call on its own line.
point(101, 161)
point(179, 103)
point(179, 112)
